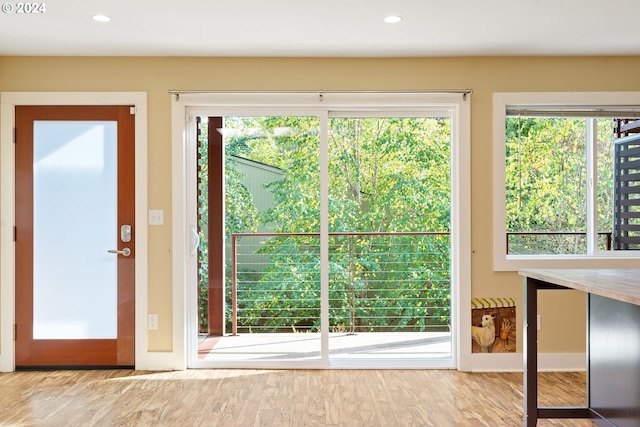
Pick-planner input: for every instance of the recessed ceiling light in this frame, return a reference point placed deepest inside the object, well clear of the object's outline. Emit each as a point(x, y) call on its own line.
point(101, 18)
point(393, 19)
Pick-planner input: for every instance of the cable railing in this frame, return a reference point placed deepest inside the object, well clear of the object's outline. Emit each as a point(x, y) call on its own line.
point(553, 242)
point(378, 282)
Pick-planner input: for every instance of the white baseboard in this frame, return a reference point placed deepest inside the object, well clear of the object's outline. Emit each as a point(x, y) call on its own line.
point(512, 362)
point(158, 361)
point(7, 363)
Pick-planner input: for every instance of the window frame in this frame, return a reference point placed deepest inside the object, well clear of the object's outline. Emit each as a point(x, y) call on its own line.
point(508, 100)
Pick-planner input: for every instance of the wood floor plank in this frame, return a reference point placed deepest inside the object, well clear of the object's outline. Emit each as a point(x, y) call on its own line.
point(295, 398)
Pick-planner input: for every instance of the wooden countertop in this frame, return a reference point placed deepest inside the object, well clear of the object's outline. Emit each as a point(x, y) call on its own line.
point(619, 284)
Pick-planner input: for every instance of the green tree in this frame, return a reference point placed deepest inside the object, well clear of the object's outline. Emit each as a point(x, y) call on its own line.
point(241, 214)
point(384, 175)
point(546, 160)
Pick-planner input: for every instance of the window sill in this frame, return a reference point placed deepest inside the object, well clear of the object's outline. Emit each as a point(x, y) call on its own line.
point(517, 262)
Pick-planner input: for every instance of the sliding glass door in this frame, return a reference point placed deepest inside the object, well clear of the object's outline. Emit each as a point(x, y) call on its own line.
point(335, 238)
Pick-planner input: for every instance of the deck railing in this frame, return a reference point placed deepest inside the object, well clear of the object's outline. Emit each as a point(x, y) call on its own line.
point(377, 282)
point(553, 242)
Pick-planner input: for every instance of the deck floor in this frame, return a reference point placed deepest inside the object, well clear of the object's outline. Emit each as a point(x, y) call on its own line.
point(306, 346)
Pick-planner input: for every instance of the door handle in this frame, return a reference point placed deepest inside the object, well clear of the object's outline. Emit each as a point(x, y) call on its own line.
point(195, 241)
point(124, 252)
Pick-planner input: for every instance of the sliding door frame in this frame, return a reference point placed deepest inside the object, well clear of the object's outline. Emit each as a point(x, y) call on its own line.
point(186, 107)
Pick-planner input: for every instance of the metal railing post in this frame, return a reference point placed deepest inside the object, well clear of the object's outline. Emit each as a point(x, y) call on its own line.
point(234, 287)
point(352, 288)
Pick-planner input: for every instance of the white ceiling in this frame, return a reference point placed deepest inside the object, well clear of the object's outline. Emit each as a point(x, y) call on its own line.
point(341, 28)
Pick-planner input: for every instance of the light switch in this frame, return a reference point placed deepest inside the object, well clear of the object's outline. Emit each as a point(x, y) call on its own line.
point(153, 321)
point(156, 217)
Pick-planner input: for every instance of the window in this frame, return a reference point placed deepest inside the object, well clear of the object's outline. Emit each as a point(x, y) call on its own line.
point(554, 181)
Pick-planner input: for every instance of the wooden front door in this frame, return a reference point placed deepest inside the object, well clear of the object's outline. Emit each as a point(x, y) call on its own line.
point(74, 236)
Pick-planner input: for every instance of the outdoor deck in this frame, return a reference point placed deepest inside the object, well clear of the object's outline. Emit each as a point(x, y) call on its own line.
point(306, 346)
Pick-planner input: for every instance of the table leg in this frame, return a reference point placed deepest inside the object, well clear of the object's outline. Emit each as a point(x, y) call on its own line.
point(530, 352)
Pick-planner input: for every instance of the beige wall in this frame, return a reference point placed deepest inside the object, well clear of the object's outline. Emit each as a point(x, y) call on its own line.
point(562, 329)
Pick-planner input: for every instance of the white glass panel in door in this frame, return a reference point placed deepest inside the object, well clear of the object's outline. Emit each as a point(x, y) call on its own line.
point(75, 224)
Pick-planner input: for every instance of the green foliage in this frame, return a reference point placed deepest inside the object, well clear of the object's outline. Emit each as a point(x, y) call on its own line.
point(385, 175)
point(546, 177)
point(203, 253)
point(389, 174)
point(240, 212)
point(386, 283)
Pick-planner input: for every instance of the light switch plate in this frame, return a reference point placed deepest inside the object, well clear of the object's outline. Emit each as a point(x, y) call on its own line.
point(153, 321)
point(156, 217)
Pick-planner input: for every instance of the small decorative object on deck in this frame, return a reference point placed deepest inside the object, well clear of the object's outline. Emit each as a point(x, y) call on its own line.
point(504, 310)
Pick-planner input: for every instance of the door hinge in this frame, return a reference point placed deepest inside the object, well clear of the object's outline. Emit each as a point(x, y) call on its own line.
point(15, 332)
point(132, 111)
point(15, 233)
point(14, 135)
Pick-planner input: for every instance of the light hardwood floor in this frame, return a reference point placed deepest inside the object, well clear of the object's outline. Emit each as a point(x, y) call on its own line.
point(297, 398)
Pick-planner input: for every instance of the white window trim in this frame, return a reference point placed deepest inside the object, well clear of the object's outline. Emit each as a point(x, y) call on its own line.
point(185, 106)
point(504, 262)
